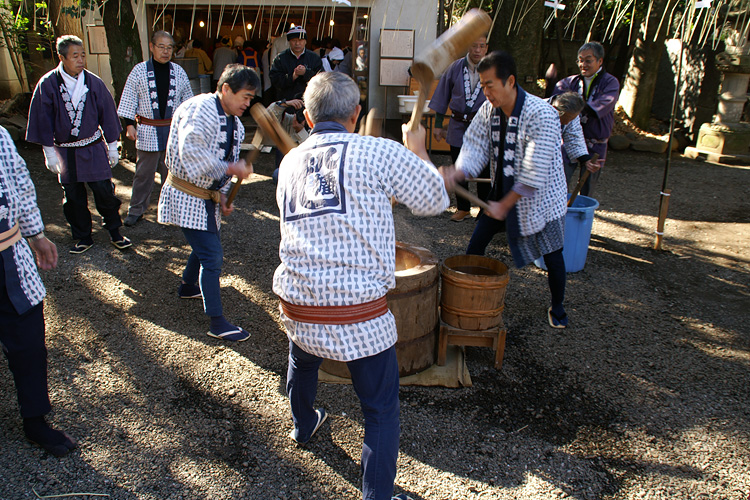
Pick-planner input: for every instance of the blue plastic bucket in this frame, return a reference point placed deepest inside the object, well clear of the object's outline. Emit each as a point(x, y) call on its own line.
point(578, 222)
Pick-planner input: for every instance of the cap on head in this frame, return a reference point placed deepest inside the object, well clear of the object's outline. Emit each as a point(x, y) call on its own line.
point(296, 32)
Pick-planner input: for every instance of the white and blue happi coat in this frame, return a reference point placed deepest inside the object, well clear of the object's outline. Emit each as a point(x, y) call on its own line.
point(537, 163)
point(18, 206)
point(338, 242)
point(139, 97)
point(573, 142)
point(197, 153)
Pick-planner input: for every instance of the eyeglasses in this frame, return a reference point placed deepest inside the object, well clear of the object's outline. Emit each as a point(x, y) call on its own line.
point(164, 47)
point(588, 60)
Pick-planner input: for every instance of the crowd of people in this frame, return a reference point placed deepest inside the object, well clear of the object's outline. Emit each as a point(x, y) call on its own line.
point(334, 195)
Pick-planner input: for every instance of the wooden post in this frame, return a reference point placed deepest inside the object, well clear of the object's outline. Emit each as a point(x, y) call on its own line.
point(663, 207)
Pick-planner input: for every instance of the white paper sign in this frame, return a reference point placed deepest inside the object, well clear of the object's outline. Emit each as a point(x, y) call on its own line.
point(703, 4)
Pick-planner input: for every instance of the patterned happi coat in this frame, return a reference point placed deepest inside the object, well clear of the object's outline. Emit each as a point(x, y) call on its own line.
point(454, 91)
point(337, 237)
point(139, 97)
point(574, 144)
point(53, 120)
point(537, 161)
point(18, 206)
point(196, 153)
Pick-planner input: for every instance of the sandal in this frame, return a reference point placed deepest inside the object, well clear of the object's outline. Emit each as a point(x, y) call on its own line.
point(80, 247)
point(236, 335)
point(122, 244)
point(556, 322)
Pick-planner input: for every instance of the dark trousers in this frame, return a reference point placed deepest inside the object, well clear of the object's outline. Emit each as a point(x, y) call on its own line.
point(487, 228)
point(483, 188)
point(375, 380)
point(22, 338)
point(76, 206)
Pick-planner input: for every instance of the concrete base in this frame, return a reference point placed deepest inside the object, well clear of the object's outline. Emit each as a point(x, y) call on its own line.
point(724, 138)
point(713, 157)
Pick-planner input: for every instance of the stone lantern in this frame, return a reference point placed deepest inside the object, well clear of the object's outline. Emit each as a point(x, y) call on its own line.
point(726, 139)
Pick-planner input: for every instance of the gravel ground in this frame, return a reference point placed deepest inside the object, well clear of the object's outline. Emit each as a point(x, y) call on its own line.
point(644, 396)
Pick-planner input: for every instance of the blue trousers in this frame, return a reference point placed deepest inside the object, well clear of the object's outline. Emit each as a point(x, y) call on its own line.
point(22, 338)
point(375, 380)
point(204, 266)
point(487, 228)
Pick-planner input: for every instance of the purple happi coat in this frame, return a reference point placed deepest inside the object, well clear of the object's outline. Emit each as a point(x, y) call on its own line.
point(50, 125)
point(451, 92)
point(598, 117)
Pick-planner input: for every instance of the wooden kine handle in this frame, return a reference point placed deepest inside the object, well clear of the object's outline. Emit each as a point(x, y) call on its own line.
point(468, 195)
point(249, 158)
point(581, 181)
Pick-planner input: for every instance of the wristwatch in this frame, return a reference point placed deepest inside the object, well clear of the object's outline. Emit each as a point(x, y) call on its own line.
point(37, 236)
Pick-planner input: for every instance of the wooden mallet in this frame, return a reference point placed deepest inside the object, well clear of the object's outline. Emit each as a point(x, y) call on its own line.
point(581, 182)
point(451, 45)
point(250, 156)
point(272, 128)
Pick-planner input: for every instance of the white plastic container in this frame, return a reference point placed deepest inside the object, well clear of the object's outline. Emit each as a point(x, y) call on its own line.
point(406, 103)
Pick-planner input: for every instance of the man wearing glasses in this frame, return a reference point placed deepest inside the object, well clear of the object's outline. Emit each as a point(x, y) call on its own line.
point(152, 92)
point(460, 91)
point(600, 90)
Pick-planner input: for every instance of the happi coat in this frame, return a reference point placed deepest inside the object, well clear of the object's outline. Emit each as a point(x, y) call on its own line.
point(598, 117)
point(455, 91)
point(18, 206)
point(337, 237)
point(139, 97)
point(536, 164)
point(197, 152)
point(53, 121)
point(574, 143)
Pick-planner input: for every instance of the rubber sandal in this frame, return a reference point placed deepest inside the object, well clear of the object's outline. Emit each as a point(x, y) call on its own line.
point(122, 244)
point(79, 248)
point(236, 335)
point(556, 322)
point(322, 416)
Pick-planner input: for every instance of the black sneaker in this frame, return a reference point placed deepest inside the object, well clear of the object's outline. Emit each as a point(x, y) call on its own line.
point(189, 291)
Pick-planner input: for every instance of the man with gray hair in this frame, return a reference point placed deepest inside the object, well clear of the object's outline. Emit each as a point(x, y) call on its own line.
point(569, 106)
point(600, 91)
point(70, 110)
point(338, 262)
point(153, 90)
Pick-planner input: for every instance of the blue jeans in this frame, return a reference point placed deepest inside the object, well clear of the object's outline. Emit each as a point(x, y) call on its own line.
point(375, 380)
point(204, 266)
point(487, 228)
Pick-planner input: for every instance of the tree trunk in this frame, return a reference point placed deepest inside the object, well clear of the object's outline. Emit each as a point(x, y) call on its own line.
point(523, 43)
point(123, 40)
point(62, 22)
point(637, 93)
point(124, 52)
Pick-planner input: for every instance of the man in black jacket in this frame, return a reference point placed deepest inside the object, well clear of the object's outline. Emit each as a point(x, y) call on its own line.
point(293, 68)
